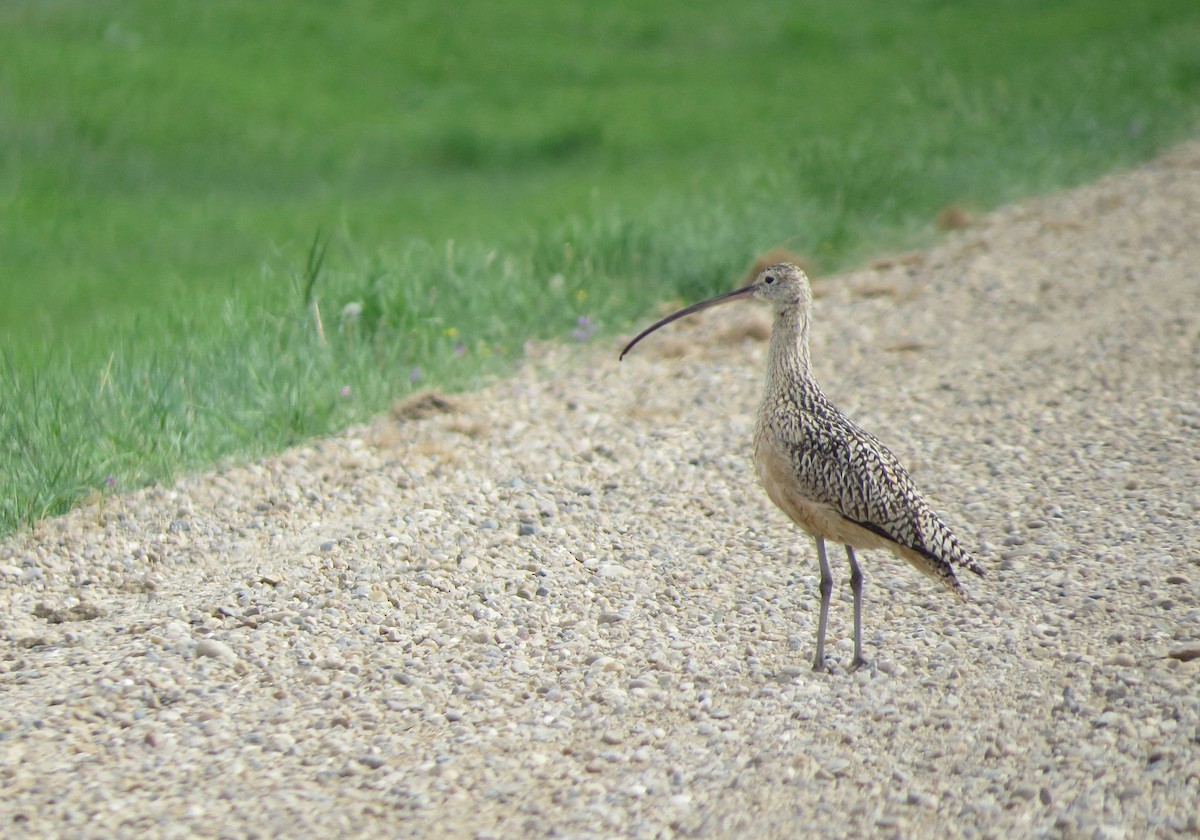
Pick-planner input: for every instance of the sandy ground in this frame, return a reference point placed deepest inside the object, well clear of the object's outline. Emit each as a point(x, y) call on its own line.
point(562, 607)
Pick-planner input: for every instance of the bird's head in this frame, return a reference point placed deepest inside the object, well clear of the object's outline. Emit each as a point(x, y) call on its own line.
point(783, 285)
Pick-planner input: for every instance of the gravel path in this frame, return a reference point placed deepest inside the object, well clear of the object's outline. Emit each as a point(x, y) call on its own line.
point(562, 606)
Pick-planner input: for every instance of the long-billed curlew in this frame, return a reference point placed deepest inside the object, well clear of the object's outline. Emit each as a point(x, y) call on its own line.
point(832, 478)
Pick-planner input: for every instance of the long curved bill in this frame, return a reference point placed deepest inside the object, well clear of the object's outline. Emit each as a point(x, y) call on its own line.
point(736, 294)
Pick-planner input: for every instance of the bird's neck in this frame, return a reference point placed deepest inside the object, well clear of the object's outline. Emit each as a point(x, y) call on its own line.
point(789, 364)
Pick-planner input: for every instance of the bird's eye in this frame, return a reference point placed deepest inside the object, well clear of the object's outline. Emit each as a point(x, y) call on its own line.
point(770, 278)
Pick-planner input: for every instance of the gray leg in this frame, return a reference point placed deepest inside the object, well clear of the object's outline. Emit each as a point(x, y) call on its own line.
point(856, 586)
point(826, 591)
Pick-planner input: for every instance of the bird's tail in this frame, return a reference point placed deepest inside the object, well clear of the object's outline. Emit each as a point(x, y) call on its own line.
point(934, 567)
point(942, 553)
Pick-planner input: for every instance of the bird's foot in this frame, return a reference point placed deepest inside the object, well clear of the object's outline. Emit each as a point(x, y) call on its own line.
point(856, 664)
point(821, 666)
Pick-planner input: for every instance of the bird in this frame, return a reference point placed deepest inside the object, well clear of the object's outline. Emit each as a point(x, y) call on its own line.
point(832, 478)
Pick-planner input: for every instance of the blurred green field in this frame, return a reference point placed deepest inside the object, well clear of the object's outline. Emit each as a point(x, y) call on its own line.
point(477, 174)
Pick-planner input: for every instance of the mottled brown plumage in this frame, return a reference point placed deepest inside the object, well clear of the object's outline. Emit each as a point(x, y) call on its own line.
point(832, 478)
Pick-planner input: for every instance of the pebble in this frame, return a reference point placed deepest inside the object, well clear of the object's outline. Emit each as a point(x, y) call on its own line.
point(216, 649)
point(1185, 653)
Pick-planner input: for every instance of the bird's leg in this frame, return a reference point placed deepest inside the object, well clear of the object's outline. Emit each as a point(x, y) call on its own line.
point(826, 591)
point(856, 586)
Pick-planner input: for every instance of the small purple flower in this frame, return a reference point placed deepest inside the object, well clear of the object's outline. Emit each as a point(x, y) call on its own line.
point(583, 328)
point(460, 349)
point(111, 481)
point(345, 390)
point(415, 374)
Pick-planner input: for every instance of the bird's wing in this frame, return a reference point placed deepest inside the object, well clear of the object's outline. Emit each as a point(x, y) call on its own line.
point(839, 464)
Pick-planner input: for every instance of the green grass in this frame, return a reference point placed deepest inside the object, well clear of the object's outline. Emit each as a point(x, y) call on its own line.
point(480, 174)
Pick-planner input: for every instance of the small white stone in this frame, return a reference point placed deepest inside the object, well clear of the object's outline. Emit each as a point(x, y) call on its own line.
point(216, 649)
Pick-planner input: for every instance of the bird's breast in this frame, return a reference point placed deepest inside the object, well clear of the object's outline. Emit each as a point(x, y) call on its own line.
point(778, 477)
